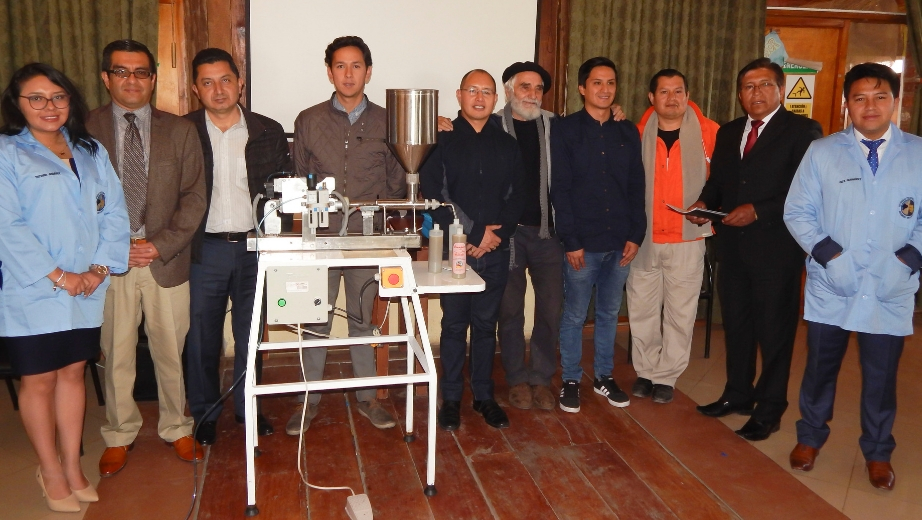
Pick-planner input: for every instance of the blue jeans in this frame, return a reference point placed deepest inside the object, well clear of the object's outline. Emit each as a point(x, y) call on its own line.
point(603, 271)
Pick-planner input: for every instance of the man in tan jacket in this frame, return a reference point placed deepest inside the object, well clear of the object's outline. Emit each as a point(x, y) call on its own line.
point(159, 160)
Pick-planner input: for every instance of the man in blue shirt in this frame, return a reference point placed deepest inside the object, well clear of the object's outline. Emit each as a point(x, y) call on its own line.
point(851, 207)
point(598, 197)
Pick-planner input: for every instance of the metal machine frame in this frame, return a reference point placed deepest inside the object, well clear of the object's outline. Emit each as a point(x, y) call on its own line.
point(416, 280)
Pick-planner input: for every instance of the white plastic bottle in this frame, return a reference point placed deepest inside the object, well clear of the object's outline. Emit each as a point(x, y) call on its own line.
point(435, 249)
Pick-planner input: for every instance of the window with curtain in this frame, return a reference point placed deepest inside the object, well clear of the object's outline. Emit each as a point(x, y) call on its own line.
point(708, 41)
point(70, 35)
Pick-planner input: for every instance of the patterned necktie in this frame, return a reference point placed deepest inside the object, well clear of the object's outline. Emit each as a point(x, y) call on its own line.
point(134, 178)
point(751, 138)
point(873, 160)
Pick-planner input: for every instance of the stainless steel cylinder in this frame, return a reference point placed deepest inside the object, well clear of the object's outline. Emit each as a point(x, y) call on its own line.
point(412, 125)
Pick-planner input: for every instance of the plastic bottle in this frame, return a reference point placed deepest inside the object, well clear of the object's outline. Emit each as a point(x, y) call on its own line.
point(435, 249)
point(458, 251)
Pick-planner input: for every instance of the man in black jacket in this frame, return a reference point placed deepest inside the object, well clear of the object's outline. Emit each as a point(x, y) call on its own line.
point(755, 158)
point(478, 169)
point(241, 150)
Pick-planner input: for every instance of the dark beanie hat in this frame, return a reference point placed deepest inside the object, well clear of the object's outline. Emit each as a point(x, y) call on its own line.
point(527, 66)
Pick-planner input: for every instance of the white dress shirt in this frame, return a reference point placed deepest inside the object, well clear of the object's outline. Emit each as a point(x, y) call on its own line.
point(748, 128)
point(230, 193)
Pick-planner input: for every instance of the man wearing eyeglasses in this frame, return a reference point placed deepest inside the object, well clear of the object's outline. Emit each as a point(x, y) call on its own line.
point(159, 160)
point(477, 168)
point(755, 158)
point(345, 137)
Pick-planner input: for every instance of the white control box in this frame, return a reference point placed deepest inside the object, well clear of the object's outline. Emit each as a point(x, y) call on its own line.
point(296, 294)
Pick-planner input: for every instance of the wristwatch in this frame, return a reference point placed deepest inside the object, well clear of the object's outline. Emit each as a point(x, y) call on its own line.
point(100, 269)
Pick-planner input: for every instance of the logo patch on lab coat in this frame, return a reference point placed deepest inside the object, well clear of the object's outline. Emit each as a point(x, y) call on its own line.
point(907, 207)
point(100, 201)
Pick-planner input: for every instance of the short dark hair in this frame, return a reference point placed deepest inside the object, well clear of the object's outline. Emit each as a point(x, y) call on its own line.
point(15, 120)
point(126, 46)
point(347, 41)
point(212, 55)
point(464, 77)
point(586, 68)
point(666, 73)
point(761, 63)
point(872, 71)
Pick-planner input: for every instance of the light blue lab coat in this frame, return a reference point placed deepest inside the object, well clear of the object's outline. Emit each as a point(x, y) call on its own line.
point(834, 193)
point(49, 219)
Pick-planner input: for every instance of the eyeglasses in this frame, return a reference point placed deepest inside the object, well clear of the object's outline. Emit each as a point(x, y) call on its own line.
point(125, 73)
point(473, 91)
point(39, 102)
point(751, 87)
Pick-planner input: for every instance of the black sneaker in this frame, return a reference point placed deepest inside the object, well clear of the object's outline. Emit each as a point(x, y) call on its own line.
point(606, 386)
point(569, 396)
point(449, 417)
point(662, 394)
point(643, 387)
point(492, 413)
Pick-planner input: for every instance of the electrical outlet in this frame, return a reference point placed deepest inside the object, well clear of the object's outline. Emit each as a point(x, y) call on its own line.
point(358, 507)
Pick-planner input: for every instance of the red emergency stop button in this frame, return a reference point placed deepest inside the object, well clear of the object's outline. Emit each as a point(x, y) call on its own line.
point(392, 277)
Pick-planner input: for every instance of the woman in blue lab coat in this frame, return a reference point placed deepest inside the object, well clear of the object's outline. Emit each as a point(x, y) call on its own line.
point(63, 230)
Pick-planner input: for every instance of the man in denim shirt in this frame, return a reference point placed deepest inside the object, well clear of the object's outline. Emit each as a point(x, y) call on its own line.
point(598, 197)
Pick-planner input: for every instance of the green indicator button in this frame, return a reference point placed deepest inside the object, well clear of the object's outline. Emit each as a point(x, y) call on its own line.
point(282, 302)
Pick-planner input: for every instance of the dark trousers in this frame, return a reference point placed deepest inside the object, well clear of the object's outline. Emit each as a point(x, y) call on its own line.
point(227, 270)
point(543, 258)
point(479, 311)
point(760, 310)
point(880, 358)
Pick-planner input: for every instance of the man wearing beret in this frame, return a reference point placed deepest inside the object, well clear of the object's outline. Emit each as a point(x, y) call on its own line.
point(534, 246)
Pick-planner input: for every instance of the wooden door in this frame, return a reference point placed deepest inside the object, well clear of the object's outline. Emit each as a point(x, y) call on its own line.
point(821, 44)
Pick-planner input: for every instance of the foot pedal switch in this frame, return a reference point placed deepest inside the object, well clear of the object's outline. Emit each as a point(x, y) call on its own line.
point(358, 507)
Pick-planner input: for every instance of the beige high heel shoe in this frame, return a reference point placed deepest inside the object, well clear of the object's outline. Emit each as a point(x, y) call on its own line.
point(68, 504)
point(87, 494)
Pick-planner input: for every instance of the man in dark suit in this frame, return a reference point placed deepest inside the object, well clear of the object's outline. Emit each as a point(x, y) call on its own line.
point(241, 151)
point(158, 157)
point(754, 160)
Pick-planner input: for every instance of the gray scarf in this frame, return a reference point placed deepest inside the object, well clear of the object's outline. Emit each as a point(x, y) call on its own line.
point(694, 174)
point(545, 161)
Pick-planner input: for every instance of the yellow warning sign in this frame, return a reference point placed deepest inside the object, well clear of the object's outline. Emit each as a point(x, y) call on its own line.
point(804, 109)
point(800, 90)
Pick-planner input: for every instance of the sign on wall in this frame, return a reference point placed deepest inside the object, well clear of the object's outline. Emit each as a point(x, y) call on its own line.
point(799, 89)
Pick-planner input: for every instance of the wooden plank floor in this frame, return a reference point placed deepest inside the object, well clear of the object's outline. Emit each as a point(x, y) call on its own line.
point(644, 461)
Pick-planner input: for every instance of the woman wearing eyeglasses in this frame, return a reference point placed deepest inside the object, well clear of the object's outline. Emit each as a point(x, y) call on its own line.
point(65, 228)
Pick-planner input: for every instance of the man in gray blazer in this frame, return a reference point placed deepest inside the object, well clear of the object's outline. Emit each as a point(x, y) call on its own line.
point(159, 160)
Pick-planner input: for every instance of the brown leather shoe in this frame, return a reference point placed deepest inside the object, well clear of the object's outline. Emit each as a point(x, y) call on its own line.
point(881, 475)
point(520, 396)
point(803, 457)
point(114, 459)
point(187, 447)
point(544, 397)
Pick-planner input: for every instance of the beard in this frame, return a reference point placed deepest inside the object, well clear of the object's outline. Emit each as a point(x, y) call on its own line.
point(527, 109)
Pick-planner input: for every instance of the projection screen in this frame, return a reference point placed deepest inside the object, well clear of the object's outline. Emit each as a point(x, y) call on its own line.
point(414, 44)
